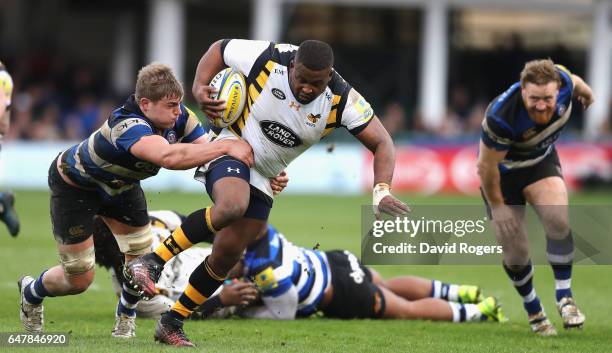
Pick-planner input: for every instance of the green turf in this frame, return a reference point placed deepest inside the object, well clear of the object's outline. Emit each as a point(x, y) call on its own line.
point(332, 222)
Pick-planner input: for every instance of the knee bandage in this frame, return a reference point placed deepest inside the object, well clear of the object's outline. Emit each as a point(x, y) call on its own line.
point(78, 262)
point(137, 243)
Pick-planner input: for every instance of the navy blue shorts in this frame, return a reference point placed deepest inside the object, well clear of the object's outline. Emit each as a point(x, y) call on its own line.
point(260, 204)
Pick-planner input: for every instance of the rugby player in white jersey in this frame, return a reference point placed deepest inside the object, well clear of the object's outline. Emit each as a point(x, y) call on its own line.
point(518, 163)
point(295, 98)
point(7, 199)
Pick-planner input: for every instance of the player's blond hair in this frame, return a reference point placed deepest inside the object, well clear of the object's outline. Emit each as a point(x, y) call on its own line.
point(157, 81)
point(540, 72)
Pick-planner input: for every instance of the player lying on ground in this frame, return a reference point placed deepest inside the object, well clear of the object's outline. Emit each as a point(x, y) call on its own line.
point(295, 98)
point(518, 163)
point(296, 282)
point(101, 176)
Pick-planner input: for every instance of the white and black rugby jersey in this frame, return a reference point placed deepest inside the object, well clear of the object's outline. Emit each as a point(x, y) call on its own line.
point(274, 123)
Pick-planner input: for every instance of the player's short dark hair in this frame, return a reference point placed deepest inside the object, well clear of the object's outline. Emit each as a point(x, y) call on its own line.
point(106, 249)
point(540, 72)
point(315, 55)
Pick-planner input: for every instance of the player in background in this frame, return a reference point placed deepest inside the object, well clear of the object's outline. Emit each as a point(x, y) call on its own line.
point(295, 98)
point(101, 176)
point(7, 199)
point(518, 163)
point(297, 282)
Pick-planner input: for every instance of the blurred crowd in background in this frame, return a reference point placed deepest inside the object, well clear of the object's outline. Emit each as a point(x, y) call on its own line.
point(56, 98)
point(65, 95)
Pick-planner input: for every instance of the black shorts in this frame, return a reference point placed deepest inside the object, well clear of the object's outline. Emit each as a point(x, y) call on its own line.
point(354, 294)
point(515, 181)
point(73, 209)
point(260, 204)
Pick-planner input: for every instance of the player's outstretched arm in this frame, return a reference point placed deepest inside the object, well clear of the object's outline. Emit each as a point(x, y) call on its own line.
point(582, 92)
point(155, 149)
point(210, 63)
point(377, 140)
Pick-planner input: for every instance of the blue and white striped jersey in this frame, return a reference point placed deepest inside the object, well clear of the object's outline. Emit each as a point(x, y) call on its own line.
point(507, 126)
point(104, 162)
point(280, 268)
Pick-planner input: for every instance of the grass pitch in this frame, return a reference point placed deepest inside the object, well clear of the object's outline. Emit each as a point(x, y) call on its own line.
point(332, 222)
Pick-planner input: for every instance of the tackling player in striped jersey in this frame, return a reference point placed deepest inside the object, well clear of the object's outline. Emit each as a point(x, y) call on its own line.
point(295, 98)
point(518, 163)
point(101, 176)
point(7, 199)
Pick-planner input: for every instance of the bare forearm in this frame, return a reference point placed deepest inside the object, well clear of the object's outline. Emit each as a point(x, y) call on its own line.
point(187, 156)
point(580, 87)
point(210, 63)
point(384, 162)
point(490, 182)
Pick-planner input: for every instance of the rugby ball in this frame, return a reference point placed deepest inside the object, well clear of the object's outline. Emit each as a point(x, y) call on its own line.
point(231, 87)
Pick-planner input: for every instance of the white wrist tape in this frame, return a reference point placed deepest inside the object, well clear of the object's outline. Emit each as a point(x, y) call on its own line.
point(378, 193)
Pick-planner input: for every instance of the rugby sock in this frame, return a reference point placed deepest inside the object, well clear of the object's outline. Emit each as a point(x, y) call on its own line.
point(127, 303)
point(465, 312)
point(448, 292)
point(523, 282)
point(202, 284)
point(35, 292)
point(196, 228)
point(560, 255)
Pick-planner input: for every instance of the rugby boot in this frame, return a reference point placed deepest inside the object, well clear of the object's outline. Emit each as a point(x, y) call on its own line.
point(142, 273)
point(125, 326)
point(571, 315)
point(541, 325)
point(8, 214)
point(31, 315)
point(170, 331)
point(491, 309)
point(470, 294)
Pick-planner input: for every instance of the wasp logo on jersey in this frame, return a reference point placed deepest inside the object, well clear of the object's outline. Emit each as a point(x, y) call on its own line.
point(279, 134)
point(278, 94)
point(313, 119)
